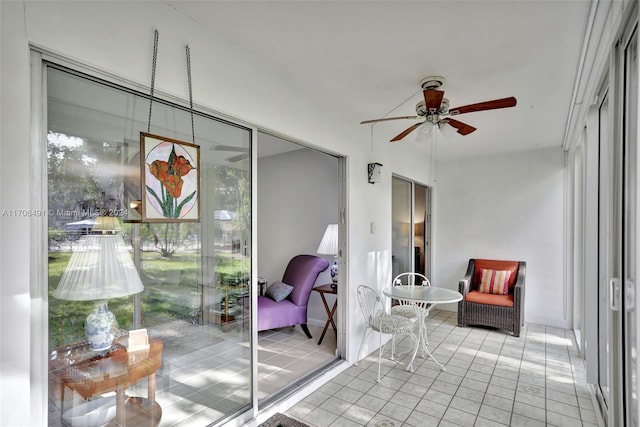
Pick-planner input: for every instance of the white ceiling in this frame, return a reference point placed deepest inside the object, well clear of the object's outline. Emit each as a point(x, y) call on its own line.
point(367, 58)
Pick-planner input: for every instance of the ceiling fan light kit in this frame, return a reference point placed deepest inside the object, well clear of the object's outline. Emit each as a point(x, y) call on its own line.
point(432, 82)
point(435, 109)
point(244, 150)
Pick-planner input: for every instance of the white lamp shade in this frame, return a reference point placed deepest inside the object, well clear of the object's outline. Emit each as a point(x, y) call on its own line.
point(100, 268)
point(329, 243)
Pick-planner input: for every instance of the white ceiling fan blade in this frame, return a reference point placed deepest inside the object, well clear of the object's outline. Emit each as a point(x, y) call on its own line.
point(231, 148)
point(237, 158)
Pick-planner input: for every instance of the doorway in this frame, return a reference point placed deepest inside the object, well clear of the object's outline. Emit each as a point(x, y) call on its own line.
point(411, 227)
point(291, 220)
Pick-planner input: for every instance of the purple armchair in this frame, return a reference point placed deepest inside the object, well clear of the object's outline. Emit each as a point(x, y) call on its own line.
point(301, 273)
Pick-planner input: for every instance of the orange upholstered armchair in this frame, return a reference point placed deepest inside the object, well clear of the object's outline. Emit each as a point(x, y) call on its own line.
point(493, 294)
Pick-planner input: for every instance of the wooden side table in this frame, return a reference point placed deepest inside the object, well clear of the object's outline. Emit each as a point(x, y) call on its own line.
point(87, 374)
point(323, 290)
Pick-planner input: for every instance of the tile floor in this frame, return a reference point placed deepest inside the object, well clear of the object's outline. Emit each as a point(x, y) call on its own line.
point(205, 373)
point(492, 379)
point(285, 355)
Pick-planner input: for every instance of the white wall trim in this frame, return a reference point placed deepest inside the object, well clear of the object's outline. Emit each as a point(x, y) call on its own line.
point(38, 263)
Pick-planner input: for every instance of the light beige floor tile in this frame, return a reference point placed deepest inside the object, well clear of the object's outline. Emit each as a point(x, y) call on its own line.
point(470, 394)
point(503, 382)
point(563, 408)
point(371, 403)
point(360, 385)
point(335, 405)
point(330, 388)
point(420, 419)
point(484, 422)
point(438, 397)
point(561, 420)
point(320, 417)
point(395, 411)
point(492, 379)
point(465, 405)
point(558, 396)
point(434, 409)
point(450, 378)
point(477, 385)
point(502, 416)
point(316, 399)
point(459, 418)
point(501, 391)
point(300, 409)
point(531, 399)
point(529, 411)
point(413, 389)
point(478, 376)
point(359, 414)
point(518, 420)
point(345, 422)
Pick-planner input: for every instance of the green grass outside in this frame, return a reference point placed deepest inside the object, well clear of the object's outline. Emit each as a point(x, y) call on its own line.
point(181, 271)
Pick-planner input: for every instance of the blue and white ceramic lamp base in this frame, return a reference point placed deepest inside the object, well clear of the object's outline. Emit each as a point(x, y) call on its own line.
point(334, 272)
point(99, 327)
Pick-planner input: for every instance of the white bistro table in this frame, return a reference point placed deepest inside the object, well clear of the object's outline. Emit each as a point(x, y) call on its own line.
point(422, 297)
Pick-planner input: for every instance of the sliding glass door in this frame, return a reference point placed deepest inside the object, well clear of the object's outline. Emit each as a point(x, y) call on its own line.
point(402, 225)
point(630, 255)
point(411, 227)
point(618, 222)
point(181, 349)
point(605, 267)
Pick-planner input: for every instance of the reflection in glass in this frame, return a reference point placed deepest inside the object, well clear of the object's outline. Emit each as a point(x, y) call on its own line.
point(195, 303)
point(402, 223)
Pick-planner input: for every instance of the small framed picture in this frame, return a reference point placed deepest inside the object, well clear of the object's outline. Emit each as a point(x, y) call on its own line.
point(138, 340)
point(170, 171)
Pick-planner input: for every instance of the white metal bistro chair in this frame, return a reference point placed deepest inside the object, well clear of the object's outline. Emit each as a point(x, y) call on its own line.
point(376, 319)
point(405, 309)
point(409, 310)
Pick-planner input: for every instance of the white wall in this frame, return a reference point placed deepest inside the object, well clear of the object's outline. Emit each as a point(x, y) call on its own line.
point(117, 37)
point(507, 206)
point(297, 199)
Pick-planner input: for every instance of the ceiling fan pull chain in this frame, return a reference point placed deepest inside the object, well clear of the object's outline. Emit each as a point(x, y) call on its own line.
point(435, 160)
point(193, 132)
point(153, 76)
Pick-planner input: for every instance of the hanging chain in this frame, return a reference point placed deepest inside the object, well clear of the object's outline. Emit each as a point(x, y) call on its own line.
point(153, 76)
point(193, 132)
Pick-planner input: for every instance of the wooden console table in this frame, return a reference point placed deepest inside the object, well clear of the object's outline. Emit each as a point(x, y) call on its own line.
point(90, 374)
point(322, 290)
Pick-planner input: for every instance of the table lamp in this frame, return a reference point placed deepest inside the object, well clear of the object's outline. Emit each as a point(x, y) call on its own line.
point(329, 246)
point(100, 268)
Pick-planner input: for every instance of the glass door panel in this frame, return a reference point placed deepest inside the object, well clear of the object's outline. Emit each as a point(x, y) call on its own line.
point(194, 306)
point(402, 226)
point(421, 230)
point(630, 230)
point(604, 252)
point(411, 219)
point(578, 242)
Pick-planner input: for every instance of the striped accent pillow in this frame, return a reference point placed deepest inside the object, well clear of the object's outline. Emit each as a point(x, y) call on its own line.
point(494, 281)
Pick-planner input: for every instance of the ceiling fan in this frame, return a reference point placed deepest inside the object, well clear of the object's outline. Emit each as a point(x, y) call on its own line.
point(435, 109)
point(236, 158)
